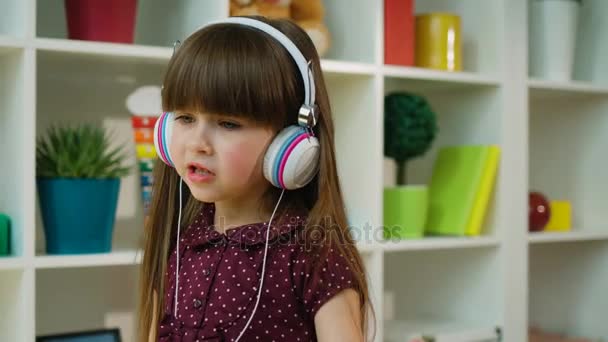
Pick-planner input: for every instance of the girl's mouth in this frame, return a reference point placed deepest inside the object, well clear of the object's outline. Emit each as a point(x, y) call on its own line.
point(199, 174)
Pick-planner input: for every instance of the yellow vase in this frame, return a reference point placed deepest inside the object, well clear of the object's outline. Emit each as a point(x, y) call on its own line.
point(438, 41)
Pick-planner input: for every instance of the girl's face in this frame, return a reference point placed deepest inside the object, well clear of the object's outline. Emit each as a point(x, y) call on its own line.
point(220, 157)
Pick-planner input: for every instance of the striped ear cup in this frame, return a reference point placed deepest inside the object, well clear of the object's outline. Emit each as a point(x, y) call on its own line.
point(162, 137)
point(292, 159)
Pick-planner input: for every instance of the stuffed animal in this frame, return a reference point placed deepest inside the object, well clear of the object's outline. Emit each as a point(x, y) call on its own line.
point(308, 14)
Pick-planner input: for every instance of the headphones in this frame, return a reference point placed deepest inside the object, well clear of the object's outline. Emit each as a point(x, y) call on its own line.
point(292, 159)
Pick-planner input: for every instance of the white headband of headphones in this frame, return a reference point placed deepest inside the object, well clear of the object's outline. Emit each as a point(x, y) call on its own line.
point(305, 68)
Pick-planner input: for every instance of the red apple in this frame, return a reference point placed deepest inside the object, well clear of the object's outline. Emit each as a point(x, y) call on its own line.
point(539, 211)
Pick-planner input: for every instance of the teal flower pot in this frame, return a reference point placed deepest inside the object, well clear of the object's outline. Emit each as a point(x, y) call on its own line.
point(78, 214)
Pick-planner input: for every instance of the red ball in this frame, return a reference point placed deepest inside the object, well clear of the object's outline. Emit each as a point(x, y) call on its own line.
point(539, 211)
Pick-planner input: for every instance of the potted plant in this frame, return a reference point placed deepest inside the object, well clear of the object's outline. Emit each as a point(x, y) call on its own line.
point(409, 130)
point(78, 178)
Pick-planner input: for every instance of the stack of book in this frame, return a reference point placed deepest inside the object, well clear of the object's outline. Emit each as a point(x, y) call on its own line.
point(460, 189)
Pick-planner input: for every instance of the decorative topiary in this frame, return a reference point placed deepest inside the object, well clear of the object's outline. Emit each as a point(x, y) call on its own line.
point(78, 152)
point(409, 129)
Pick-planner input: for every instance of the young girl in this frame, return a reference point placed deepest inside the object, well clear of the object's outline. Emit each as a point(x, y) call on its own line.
point(255, 245)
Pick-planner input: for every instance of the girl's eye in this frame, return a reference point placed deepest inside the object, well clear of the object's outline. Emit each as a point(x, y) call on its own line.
point(229, 125)
point(184, 118)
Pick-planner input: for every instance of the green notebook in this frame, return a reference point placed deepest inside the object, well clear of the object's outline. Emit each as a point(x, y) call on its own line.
point(455, 185)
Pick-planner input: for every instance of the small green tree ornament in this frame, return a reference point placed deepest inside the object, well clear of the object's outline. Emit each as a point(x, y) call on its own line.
point(409, 129)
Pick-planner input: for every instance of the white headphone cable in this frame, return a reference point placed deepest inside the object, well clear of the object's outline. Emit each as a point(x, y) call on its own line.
point(179, 223)
point(263, 268)
point(263, 262)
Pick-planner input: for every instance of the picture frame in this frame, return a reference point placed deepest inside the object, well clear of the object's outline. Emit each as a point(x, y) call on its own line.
point(95, 335)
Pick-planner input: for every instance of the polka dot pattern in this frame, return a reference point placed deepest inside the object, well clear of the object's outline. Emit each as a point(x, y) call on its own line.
point(219, 278)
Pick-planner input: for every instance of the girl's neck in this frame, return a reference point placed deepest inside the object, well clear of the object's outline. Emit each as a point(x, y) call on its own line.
point(231, 214)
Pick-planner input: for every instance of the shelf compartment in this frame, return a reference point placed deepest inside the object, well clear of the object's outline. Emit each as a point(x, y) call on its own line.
point(567, 155)
point(352, 32)
point(465, 115)
point(13, 18)
point(158, 23)
point(72, 89)
point(567, 288)
point(461, 287)
point(354, 120)
point(480, 30)
point(14, 299)
point(16, 148)
point(438, 243)
point(571, 236)
point(89, 299)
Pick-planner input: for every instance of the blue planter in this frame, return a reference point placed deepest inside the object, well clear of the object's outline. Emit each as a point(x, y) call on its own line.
point(78, 214)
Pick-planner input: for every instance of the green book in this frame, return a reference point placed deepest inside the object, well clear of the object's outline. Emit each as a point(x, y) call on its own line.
point(454, 187)
point(4, 234)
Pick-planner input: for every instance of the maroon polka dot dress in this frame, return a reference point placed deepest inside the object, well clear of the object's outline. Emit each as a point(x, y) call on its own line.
point(219, 278)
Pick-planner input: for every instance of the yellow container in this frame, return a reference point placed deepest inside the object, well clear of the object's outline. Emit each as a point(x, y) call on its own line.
point(438, 41)
point(561, 217)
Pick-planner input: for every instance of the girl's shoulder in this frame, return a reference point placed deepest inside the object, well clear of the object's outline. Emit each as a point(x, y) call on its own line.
point(319, 272)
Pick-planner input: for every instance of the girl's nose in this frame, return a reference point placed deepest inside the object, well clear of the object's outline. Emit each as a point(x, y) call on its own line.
point(201, 141)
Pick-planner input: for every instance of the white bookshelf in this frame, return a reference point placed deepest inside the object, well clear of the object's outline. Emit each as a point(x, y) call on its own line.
point(552, 136)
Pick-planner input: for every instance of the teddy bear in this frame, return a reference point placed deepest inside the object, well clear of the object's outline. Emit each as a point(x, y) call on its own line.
point(308, 14)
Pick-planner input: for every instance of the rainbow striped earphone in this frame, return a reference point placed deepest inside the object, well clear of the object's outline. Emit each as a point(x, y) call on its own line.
point(292, 159)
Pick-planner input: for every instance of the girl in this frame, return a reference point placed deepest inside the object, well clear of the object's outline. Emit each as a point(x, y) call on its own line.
point(255, 245)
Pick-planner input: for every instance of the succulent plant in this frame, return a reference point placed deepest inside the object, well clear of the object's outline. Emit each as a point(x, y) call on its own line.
point(81, 151)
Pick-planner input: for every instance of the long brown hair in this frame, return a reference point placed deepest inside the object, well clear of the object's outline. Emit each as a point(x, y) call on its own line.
point(233, 69)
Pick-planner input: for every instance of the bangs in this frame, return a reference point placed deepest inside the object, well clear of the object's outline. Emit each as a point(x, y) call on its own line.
point(234, 70)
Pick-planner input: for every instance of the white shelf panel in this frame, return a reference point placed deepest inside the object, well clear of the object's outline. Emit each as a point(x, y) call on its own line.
point(117, 258)
point(436, 243)
point(553, 89)
point(8, 43)
point(104, 49)
point(11, 263)
point(464, 78)
point(366, 247)
point(153, 53)
point(354, 68)
point(554, 237)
